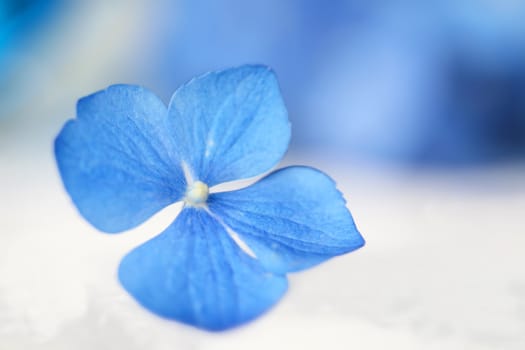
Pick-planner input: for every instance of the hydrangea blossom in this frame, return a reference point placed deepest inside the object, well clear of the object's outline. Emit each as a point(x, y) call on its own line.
point(224, 259)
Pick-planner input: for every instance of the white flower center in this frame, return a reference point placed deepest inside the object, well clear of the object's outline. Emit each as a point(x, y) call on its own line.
point(197, 193)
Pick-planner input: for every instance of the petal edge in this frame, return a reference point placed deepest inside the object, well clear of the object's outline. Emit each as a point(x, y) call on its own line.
point(116, 160)
point(292, 219)
point(193, 272)
point(230, 124)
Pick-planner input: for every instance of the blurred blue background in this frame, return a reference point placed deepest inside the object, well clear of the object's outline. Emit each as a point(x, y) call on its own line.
point(436, 82)
point(405, 82)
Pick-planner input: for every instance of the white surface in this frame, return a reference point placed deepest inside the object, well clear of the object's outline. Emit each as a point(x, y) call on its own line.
point(442, 268)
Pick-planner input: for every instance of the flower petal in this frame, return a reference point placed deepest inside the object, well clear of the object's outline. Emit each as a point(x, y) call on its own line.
point(292, 219)
point(116, 159)
point(195, 273)
point(230, 124)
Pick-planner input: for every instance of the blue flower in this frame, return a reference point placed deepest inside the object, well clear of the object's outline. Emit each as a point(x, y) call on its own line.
point(224, 260)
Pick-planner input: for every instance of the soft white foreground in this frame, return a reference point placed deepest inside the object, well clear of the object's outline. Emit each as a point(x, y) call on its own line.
point(443, 267)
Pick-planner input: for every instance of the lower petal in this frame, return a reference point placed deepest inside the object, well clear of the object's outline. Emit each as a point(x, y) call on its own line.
point(195, 273)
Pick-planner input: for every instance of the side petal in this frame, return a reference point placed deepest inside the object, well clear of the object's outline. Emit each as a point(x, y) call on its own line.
point(230, 124)
point(195, 273)
point(291, 219)
point(116, 159)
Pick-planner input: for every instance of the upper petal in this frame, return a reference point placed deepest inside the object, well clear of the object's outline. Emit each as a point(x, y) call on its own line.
point(117, 158)
point(195, 273)
point(291, 219)
point(230, 124)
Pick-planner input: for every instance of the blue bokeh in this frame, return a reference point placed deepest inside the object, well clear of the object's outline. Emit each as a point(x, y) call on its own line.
point(403, 82)
point(439, 82)
point(19, 21)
